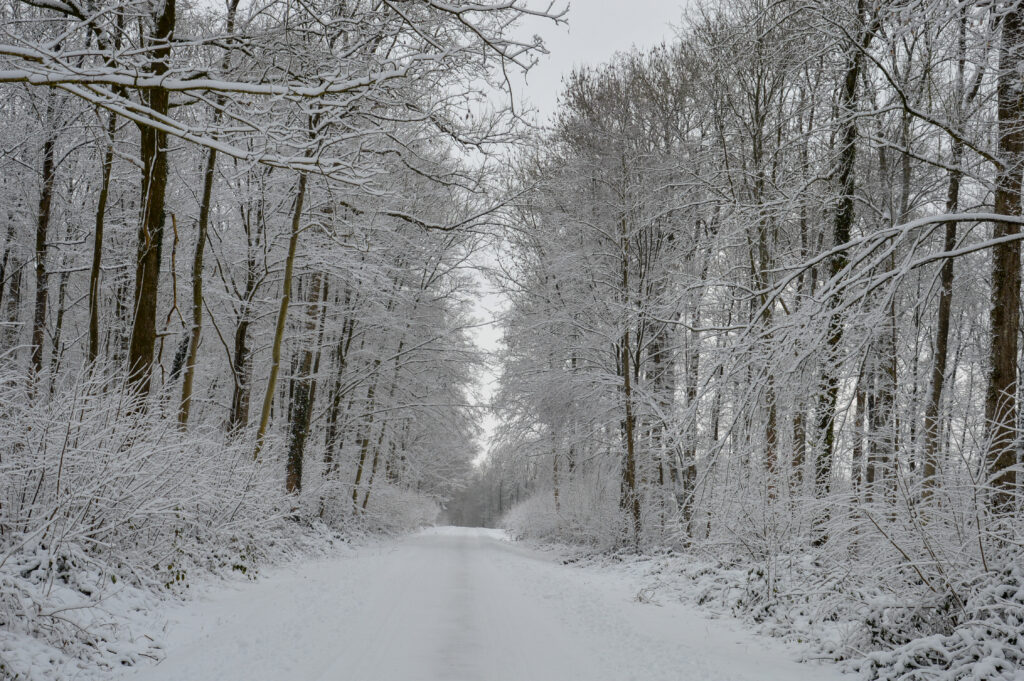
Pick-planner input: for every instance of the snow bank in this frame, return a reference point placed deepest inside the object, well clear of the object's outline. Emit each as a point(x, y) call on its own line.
point(856, 600)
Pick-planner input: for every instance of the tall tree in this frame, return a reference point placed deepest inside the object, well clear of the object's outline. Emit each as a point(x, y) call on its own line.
point(47, 177)
point(1001, 398)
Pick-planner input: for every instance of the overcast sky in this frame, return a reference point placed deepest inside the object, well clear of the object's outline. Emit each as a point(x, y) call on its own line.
point(596, 30)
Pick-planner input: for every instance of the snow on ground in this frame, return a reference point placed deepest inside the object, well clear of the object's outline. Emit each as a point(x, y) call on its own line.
point(454, 604)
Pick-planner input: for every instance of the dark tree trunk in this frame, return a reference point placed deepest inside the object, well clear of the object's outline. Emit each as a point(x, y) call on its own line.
point(196, 332)
point(1001, 401)
point(57, 351)
point(842, 224)
point(799, 448)
point(12, 309)
point(305, 388)
point(857, 456)
point(384, 424)
point(629, 499)
point(364, 441)
point(931, 418)
point(332, 443)
point(153, 147)
point(42, 228)
point(238, 416)
point(97, 244)
point(629, 494)
point(931, 414)
point(5, 261)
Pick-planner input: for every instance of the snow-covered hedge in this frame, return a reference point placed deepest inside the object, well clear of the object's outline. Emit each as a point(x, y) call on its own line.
point(391, 509)
point(105, 506)
point(987, 642)
point(587, 514)
point(99, 498)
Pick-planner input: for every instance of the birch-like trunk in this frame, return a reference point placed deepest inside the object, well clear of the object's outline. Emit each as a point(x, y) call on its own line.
point(282, 317)
point(197, 262)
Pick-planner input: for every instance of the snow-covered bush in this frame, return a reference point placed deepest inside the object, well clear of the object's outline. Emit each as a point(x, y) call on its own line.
point(100, 499)
point(587, 514)
point(393, 509)
point(986, 644)
point(534, 518)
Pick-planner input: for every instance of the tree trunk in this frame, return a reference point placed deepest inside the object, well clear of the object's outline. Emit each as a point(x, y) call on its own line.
point(197, 289)
point(931, 414)
point(97, 244)
point(12, 309)
point(8, 247)
point(555, 482)
point(880, 475)
point(629, 496)
point(383, 425)
point(931, 417)
point(42, 227)
point(799, 448)
point(1000, 399)
point(771, 428)
point(857, 456)
point(842, 224)
point(201, 231)
point(331, 435)
point(282, 317)
point(375, 462)
point(688, 465)
point(238, 416)
point(57, 352)
point(805, 288)
point(364, 444)
point(882, 424)
point(305, 388)
point(153, 147)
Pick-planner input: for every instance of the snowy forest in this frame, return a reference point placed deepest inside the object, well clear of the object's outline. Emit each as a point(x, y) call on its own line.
point(759, 318)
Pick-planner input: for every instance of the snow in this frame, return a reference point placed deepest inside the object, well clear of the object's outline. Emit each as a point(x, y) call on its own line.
point(457, 604)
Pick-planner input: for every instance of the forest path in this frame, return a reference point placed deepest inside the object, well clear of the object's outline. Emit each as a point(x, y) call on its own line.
point(456, 604)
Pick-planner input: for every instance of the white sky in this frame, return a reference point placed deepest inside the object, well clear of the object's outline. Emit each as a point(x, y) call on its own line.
point(596, 30)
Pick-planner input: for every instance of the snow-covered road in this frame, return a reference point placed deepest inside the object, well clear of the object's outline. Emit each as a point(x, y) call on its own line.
point(453, 604)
